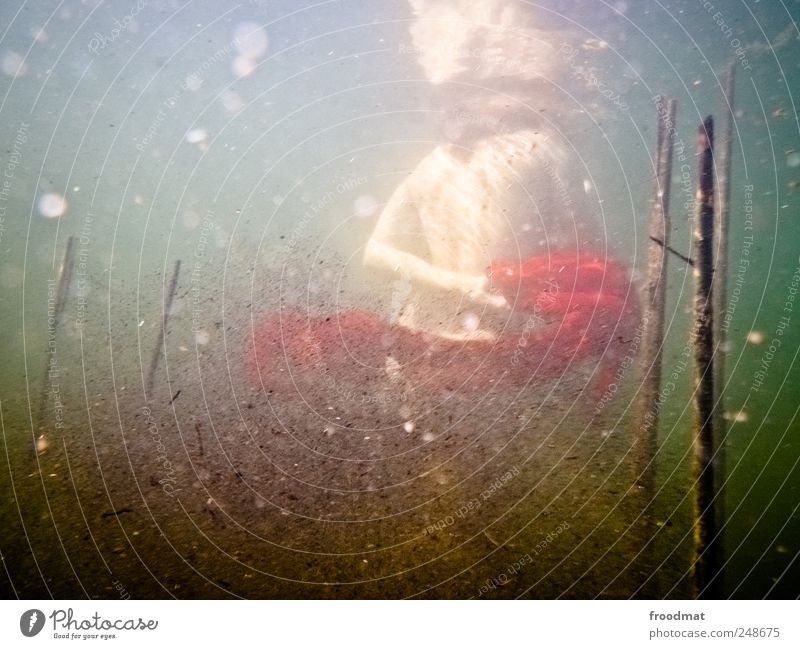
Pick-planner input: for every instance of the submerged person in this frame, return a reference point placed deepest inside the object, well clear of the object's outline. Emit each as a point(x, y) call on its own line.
point(502, 186)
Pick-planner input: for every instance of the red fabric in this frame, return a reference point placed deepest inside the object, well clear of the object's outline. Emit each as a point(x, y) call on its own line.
point(578, 305)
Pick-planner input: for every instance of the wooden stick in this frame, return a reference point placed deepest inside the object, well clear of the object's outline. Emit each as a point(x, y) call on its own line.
point(705, 526)
point(65, 278)
point(653, 333)
point(722, 155)
point(62, 292)
point(163, 331)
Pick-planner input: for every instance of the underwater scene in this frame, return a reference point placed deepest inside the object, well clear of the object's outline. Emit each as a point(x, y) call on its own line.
point(442, 299)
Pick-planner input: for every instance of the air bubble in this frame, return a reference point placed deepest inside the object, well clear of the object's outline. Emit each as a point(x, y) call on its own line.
point(52, 205)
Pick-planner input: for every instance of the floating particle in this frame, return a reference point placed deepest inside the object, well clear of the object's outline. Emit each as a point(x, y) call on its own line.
point(428, 437)
point(42, 444)
point(201, 337)
point(365, 206)
point(526, 227)
point(232, 102)
point(587, 186)
point(392, 368)
point(191, 219)
point(740, 417)
point(76, 188)
point(138, 199)
point(52, 205)
point(39, 34)
point(793, 159)
point(194, 82)
point(594, 44)
point(408, 426)
point(755, 337)
point(250, 40)
point(13, 65)
point(141, 323)
point(242, 67)
point(197, 135)
point(471, 322)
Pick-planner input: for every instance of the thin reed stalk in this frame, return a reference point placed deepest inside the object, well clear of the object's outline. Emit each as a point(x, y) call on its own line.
point(705, 523)
point(653, 322)
point(169, 297)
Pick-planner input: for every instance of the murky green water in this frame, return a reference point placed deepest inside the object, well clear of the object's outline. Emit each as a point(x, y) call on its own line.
point(374, 158)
